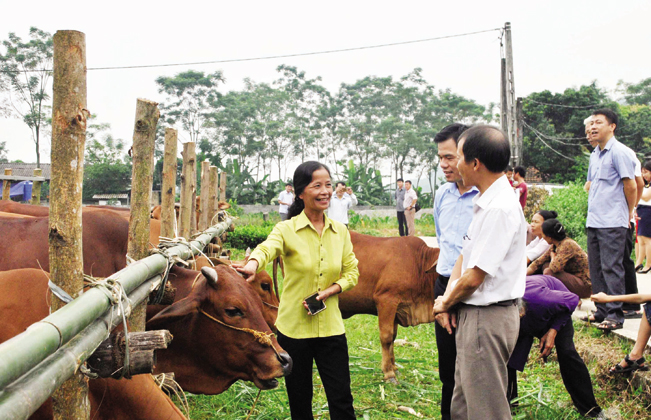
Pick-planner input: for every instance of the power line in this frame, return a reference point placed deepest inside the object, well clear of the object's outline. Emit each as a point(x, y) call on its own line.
point(271, 57)
point(556, 139)
point(564, 106)
point(552, 149)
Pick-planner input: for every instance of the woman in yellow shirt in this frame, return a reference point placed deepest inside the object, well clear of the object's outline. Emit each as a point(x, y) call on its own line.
point(319, 258)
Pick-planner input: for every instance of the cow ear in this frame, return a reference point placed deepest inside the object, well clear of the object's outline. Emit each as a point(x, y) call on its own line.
point(432, 258)
point(211, 275)
point(173, 313)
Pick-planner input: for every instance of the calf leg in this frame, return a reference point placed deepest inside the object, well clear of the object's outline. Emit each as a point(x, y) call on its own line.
point(388, 330)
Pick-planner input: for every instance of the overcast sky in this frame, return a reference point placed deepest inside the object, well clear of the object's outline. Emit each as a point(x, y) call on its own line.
point(556, 45)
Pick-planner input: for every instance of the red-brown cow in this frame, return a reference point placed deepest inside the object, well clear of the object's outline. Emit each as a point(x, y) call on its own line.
point(396, 283)
point(24, 301)
point(104, 241)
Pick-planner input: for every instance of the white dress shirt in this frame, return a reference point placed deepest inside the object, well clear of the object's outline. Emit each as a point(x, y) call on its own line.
point(338, 209)
point(536, 248)
point(495, 243)
point(410, 197)
point(285, 197)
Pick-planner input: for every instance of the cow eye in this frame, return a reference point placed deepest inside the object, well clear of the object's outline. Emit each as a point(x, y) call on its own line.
point(233, 312)
point(266, 287)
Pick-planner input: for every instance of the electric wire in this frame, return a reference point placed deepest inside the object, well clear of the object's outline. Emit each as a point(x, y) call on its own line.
point(271, 57)
point(563, 106)
point(552, 149)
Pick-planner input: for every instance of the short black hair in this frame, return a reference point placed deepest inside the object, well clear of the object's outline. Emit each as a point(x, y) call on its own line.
point(509, 168)
point(452, 131)
point(489, 145)
point(554, 229)
point(400, 180)
point(408, 181)
point(288, 183)
point(609, 114)
point(340, 182)
point(520, 171)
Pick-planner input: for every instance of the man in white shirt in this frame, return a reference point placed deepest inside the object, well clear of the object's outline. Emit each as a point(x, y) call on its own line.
point(487, 280)
point(410, 211)
point(285, 199)
point(341, 201)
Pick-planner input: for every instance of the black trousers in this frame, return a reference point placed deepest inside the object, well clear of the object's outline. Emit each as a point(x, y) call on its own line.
point(630, 279)
point(402, 224)
point(331, 357)
point(605, 256)
point(574, 372)
point(447, 350)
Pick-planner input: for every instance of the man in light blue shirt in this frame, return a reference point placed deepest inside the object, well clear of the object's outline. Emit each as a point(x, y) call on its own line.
point(611, 202)
point(453, 209)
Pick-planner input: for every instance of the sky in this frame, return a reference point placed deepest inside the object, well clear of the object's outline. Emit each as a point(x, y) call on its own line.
point(556, 45)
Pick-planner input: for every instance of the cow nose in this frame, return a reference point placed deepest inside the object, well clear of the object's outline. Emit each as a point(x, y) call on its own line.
point(286, 362)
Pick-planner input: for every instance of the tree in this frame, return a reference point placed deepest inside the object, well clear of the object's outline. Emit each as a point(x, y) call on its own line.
point(26, 70)
point(190, 96)
point(636, 93)
point(3, 152)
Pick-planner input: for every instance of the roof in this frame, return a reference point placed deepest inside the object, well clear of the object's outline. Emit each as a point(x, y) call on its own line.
point(25, 169)
point(110, 196)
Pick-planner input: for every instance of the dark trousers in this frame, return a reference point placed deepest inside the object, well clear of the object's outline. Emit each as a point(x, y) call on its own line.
point(605, 256)
point(574, 372)
point(331, 357)
point(630, 279)
point(447, 350)
point(402, 224)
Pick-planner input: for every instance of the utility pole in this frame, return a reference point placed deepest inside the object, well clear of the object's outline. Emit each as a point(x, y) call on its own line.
point(504, 105)
point(516, 147)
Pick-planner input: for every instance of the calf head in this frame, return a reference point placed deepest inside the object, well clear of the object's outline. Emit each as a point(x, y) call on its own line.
point(220, 336)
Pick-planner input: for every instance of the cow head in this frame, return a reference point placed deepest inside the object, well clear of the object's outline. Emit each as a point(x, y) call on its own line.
point(214, 344)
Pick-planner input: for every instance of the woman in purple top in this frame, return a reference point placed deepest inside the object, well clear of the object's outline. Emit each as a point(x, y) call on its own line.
point(547, 316)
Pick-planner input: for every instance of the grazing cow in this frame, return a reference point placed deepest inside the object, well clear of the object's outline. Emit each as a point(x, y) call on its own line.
point(219, 331)
point(24, 301)
point(396, 283)
point(104, 240)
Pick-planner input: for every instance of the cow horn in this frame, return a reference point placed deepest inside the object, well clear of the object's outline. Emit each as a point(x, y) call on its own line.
point(210, 274)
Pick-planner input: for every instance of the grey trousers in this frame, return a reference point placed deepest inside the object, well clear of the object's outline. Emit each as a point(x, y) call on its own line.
point(605, 256)
point(485, 339)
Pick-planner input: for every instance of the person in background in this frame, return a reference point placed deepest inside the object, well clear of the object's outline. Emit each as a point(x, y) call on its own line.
point(319, 258)
point(644, 223)
point(509, 175)
point(538, 245)
point(520, 186)
point(487, 279)
point(410, 212)
point(611, 203)
point(564, 260)
point(548, 307)
point(453, 204)
point(285, 199)
point(399, 195)
point(341, 202)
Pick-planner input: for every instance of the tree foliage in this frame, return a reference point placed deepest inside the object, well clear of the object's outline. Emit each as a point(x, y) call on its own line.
point(25, 74)
point(3, 152)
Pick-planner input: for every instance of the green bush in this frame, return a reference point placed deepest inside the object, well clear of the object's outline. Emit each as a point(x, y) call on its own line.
point(248, 236)
point(571, 204)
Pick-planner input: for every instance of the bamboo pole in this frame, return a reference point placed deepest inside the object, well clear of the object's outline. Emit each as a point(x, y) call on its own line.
point(187, 189)
point(222, 186)
point(6, 185)
point(69, 115)
point(142, 176)
point(212, 196)
point(36, 187)
point(204, 219)
point(168, 193)
point(23, 352)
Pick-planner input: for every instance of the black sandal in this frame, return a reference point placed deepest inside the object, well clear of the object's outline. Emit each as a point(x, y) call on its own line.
point(631, 366)
point(609, 325)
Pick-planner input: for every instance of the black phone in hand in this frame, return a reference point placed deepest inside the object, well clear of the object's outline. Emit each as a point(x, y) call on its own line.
point(314, 306)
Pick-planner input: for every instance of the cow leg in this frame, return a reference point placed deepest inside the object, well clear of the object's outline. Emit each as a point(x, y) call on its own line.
point(388, 330)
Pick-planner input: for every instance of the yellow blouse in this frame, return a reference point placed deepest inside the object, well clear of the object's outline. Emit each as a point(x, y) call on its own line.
point(312, 263)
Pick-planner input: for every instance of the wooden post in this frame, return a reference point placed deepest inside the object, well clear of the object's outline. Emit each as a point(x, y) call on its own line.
point(222, 186)
point(142, 175)
point(69, 116)
point(213, 195)
point(195, 208)
point(168, 190)
point(204, 220)
point(519, 123)
point(504, 106)
point(36, 187)
point(6, 185)
point(187, 189)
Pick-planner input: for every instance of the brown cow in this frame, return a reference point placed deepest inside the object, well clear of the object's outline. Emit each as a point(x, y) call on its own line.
point(396, 283)
point(207, 356)
point(104, 239)
point(24, 301)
